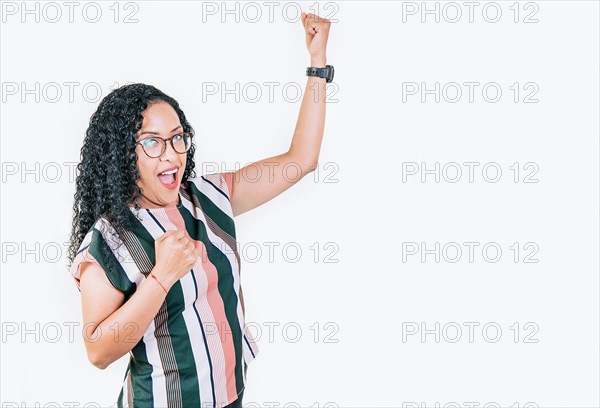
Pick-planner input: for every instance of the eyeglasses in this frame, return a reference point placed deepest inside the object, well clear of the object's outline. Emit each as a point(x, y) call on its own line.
point(155, 146)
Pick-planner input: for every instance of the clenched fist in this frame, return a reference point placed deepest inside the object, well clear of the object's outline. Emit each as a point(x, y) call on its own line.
point(175, 256)
point(317, 33)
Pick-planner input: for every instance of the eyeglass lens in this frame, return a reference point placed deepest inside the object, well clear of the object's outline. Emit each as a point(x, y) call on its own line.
point(155, 146)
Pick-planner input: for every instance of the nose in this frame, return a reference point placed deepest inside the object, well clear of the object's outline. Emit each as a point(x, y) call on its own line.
point(169, 154)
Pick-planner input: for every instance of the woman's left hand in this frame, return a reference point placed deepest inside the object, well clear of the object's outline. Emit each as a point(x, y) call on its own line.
point(317, 32)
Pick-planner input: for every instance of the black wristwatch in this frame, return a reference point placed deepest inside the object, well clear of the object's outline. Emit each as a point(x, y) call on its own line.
point(326, 72)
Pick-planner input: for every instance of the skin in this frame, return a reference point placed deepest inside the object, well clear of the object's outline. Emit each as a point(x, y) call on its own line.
point(160, 120)
point(114, 327)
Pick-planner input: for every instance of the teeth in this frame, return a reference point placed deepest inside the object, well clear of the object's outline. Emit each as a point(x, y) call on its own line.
point(170, 172)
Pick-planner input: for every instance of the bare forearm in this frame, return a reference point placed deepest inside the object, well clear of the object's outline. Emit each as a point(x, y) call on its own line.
point(308, 135)
point(123, 329)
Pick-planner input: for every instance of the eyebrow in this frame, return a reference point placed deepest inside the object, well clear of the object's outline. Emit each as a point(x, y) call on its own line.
point(156, 133)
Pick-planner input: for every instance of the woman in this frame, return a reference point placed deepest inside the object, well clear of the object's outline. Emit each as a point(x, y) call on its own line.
point(153, 248)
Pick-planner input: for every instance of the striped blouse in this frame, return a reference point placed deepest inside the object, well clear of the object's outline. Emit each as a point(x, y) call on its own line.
point(197, 350)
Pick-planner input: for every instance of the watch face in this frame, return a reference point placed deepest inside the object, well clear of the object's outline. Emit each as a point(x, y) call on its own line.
point(331, 71)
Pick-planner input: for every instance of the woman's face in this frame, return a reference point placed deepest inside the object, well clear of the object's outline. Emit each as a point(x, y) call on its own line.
point(160, 120)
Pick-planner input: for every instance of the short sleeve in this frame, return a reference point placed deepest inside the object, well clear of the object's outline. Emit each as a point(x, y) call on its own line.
point(221, 181)
point(228, 178)
point(94, 248)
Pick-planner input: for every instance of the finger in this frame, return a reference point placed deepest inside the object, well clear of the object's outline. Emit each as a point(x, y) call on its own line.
point(311, 19)
point(171, 235)
point(177, 236)
point(165, 235)
point(316, 19)
point(312, 23)
point(185, 244)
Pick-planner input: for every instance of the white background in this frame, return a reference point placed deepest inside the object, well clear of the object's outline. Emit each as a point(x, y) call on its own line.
point(370, 297)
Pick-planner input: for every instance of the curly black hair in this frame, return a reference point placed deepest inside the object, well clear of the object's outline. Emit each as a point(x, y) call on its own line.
point(107, 174)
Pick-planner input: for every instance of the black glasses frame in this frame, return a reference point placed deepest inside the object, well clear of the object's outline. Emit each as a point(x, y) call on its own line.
point(164, 144)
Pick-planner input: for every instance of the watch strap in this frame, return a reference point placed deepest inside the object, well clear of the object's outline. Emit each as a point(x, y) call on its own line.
point(326, 72)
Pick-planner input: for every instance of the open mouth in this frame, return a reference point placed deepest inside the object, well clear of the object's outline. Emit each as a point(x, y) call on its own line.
point(168, 178)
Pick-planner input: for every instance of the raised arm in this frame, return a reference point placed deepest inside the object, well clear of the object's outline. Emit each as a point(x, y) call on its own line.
point(259, 182)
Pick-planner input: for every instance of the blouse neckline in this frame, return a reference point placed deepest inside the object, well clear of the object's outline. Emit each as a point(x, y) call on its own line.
point(168, 207)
